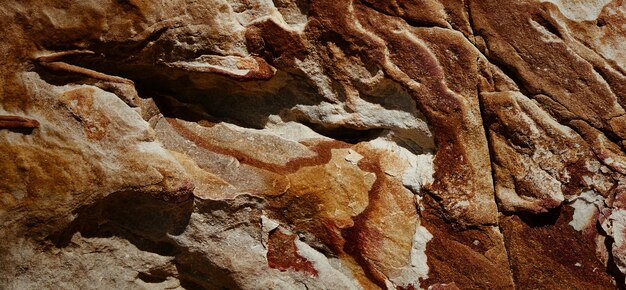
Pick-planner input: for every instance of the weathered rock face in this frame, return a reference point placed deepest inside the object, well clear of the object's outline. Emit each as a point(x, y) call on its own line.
point(288, 144)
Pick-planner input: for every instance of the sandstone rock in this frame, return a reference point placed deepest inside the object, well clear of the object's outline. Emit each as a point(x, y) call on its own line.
point(296, 144)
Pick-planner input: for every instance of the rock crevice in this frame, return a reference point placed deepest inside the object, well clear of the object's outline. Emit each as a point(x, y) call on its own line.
point(295, 144)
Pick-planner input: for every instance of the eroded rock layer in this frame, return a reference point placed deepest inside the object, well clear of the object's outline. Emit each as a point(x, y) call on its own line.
point(295, 144)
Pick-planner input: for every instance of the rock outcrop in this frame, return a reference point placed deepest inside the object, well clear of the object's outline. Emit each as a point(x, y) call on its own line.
point(295, 144)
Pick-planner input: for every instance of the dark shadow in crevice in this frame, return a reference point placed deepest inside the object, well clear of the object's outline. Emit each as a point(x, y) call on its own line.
point(146, 222)
point(140, 218)
point(60, 78)
point(513, 73)
point(549, 24)
point(152, 277)
point(395, 99)
point(247, 106)
point(345, 134)
point(24, 131)
point(202, 274)
point(304, 6)
point(611, 267)
point(246, 103)
point(548, 218)
point(189, 284)
point(170, 107)
point(413, 146)
point(221, 99)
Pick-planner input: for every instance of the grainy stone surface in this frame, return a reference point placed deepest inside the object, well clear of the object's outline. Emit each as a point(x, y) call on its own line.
point(295, 144)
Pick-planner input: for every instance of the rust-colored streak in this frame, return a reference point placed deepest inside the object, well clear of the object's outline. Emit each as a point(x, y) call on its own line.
point(444, 110)
point(365, 238)
point(17, 122)
point(66, 67)
point(58, 55)
point(451, 119)
point(263, 72)
point(52, 62)
point(323, 150)
point(282, 254)
point(359, 241)
point(358, 236)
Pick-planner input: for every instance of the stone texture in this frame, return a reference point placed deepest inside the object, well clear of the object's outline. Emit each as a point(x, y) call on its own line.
point(295, 144)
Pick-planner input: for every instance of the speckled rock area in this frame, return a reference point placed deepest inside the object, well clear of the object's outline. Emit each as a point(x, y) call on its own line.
point(313, 144)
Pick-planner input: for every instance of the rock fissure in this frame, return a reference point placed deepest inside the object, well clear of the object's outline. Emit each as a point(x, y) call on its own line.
point(296, 144)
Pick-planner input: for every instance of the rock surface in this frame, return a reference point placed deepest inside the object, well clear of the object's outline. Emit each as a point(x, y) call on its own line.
point(294, 144)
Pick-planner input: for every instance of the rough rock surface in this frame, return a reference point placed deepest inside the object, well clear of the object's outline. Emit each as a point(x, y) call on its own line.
point(322, 144)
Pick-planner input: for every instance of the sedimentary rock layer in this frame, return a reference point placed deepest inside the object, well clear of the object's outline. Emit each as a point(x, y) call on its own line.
point(295, 144)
